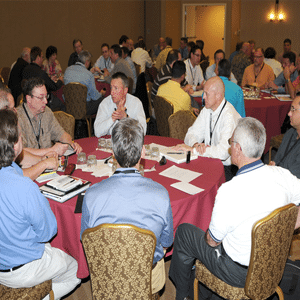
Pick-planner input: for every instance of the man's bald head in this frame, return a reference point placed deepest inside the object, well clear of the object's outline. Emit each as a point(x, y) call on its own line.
point(213, 93)
point(26, 54)
point(246, 48)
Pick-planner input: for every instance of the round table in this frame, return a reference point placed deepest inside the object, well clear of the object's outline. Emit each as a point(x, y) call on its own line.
point(193, 209)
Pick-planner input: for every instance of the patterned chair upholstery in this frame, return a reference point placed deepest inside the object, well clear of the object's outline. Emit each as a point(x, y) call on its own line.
point(120, 260)
point(66, 121)
point(75, 99)
point(180, 122)
point(36, 292)
point(275, 143)
point(271, 240)
point(4, 72)
point(163, 110)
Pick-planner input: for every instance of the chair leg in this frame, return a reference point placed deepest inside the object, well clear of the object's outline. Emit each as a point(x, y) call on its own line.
point(279, 293)
point(51, 295)
point(196, 289)
point(89, 126)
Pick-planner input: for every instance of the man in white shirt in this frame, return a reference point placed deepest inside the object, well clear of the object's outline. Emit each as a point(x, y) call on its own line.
point(254, 193)
point(141, 57)
point(117, 106)
point(103, 62)
point(194, 75)
point(209, 134)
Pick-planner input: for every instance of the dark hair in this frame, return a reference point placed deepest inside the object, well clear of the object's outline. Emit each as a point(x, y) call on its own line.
point(219, 51)
point(172, 56)
point(224, 68)
point(239, 46)
point(35, 52)
point(117, 49)
point(178, 69)
point(50, 51)
point(122, 76)
point(76, 41)
point(125, 50)
point(195, 48)
point(141, 44)
point(184, 39)
point(104, 45)
point(191, 44)
point(200, 43)
point(169, 41)
point(287, 41)
point(127, 142)
point(9, 136)
point(291, 56)
point(123, 39)
point(270, 52)
point(29, 84)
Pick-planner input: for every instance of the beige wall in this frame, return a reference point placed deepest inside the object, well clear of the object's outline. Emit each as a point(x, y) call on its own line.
point(255, 25)
point(44, 23)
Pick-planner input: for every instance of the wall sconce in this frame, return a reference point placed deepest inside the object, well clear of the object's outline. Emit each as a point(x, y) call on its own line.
point(276, 16)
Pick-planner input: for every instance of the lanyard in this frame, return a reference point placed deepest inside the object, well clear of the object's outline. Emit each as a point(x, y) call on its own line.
point(255, 76)
point(37, 136)
point(211, 131)
point(127, 172)
point(190, 65)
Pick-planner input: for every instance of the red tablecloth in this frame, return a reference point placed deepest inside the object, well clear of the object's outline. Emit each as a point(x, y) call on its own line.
point(196, 209)
point(271, 112)
point(99, 87)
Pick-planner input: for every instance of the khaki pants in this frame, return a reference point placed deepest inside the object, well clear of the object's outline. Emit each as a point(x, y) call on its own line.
point(158, 276)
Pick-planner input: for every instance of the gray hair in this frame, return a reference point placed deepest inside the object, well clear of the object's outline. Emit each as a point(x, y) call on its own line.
point(4, 103)
point(84, 55)
point(251, 135)
point(127, 142)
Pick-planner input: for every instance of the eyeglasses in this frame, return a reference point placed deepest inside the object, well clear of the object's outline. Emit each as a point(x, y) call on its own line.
point(293, 109)
point(42, 97)
point(230, 141)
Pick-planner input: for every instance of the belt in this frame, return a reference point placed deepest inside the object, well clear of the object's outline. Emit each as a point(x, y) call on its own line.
point(12, 269)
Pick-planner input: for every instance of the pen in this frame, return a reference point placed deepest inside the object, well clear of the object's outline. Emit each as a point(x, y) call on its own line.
point(175, 152)
point(66, 144)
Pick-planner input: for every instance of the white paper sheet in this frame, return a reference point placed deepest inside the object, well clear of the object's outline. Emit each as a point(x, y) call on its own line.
point(187, 188)
point(180, 174)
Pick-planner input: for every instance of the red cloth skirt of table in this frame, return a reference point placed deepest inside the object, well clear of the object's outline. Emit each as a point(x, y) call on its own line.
point(271, 112)
point(193, 209)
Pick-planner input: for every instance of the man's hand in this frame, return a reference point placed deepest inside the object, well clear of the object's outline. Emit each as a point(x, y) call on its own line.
point(210, 241)
point(271, 85)
point(119, 114)
point(200, 87)
point(50, 154)
point(287, 73)
point(272, 163)
point(188, 89)
point(95, 69)
point(196, 111)
point(182, 147)
point(60, 148)
point(200, 148)
point(51, 163)
point(103, 92)
point(76, 147)
point(106, 73)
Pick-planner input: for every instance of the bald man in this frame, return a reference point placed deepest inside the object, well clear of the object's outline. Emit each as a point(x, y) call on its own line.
point(240, 62)
point(209, 134)
point(159, 47)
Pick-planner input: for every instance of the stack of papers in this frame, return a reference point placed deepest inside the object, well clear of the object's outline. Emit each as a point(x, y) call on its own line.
point(184, 176)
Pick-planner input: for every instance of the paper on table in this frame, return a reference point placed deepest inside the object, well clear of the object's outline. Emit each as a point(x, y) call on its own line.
point(180, 174)
point(187, 188)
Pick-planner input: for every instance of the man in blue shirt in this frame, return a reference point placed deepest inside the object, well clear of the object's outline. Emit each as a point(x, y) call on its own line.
point(27, 224)
point(288, 61)
point(80, 73)
point(233, 93)
point(128, 197)
point(183, 49)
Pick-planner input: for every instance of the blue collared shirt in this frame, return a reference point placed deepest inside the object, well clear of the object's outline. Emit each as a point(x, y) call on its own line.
point(250, 167)
point(26, 219)
point(130, 199)
point(79, 73)
point(280, 81)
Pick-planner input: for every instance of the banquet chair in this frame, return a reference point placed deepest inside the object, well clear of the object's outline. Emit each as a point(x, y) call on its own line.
point(180, 122)
point(137, 69)
point(4, 72)
point(120, 258)
point(66, 121)
point(271, 240)
point(75, 100)
point(149, 85)
point(275, 143)
point(163, 109)
point(36, 292)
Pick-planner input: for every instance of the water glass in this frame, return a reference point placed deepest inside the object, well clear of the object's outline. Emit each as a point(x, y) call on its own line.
point(155, 152)
point(92, 161)
point(81, 158)
point(102, 143)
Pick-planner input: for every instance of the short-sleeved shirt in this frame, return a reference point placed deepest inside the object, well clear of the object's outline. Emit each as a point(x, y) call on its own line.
point(45, 125)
